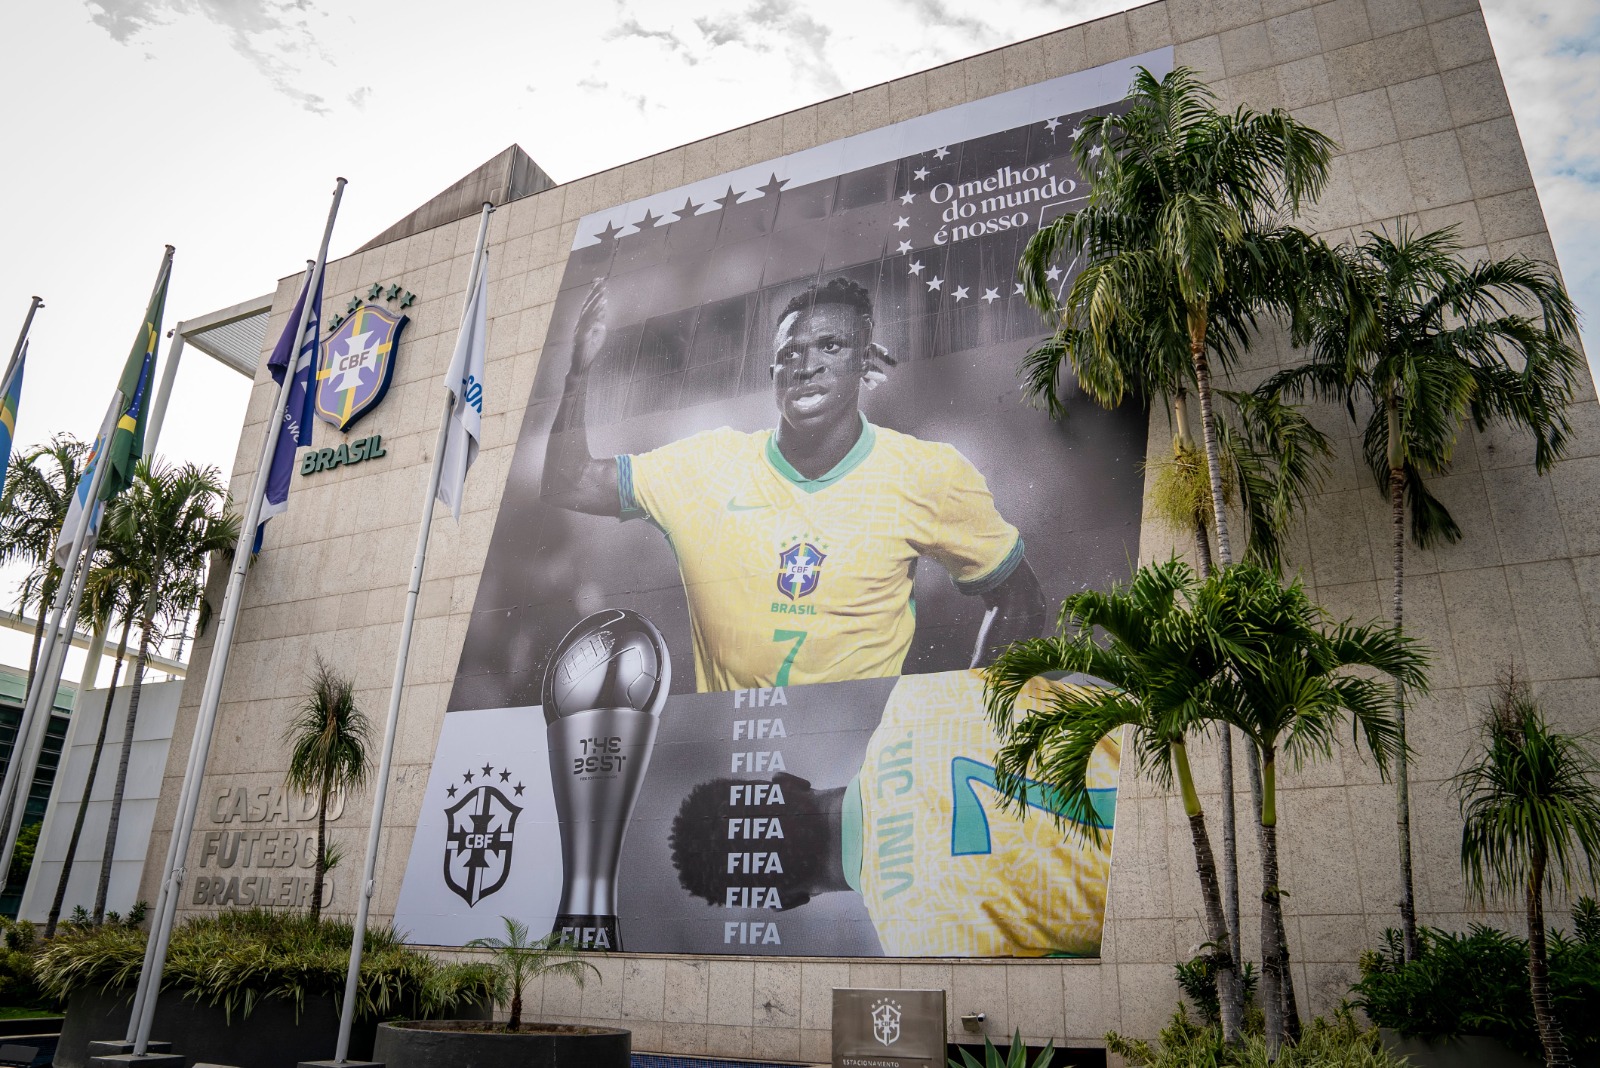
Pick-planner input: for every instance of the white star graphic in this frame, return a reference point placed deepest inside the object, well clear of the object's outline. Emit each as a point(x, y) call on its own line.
point(935, 283)
point(960, 293)
point(1051, 124)
point(1094, 151)
point(1019, 289)
point(905, 246)
point(920, 173)
point(1053, 273)
point(908, 198)
point(990, 296)
point(940, 153)
point(1077, 132)
point(901, 223)
point(916, 266)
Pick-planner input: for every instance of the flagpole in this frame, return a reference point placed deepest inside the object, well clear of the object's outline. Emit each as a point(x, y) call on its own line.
point(175, 845)
point(205, 720)
point(28, 756)
point(380, 794)
point(37, 685)
point(34, 304)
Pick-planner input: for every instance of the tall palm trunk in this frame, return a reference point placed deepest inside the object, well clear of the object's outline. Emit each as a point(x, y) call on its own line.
point(1274, 954)
point(322, 855)
point(1555, 1047)
point(1181, 441)
point(1208, 433)
point(146, 623)
point(88, 787)
point(1230, 992)
point(1402, 777)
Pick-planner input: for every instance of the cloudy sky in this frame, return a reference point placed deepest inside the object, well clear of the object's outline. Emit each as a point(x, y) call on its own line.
point(219, 125)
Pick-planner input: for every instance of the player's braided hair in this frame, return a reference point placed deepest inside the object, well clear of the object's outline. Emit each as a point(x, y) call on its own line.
point(700, 846)
point(840, 290)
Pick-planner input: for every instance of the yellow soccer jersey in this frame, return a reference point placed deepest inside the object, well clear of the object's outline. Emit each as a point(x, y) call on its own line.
point(793, 580)
point(943, 870)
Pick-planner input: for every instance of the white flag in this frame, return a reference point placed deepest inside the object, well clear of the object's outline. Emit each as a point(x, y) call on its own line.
point(464, 380)
point(80, 502)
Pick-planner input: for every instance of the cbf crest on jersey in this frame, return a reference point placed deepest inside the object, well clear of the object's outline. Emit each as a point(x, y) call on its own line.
point(799, 570)
point(481, 831)
point(357, 364)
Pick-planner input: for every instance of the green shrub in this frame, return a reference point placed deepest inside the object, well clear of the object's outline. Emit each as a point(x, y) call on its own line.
point(1477, 984)
point(1197, 978)
point(18, 985)
point(235, 959)
point(1184, 1043)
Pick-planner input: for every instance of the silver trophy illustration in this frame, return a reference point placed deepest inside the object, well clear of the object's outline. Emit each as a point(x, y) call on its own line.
point(603, 691)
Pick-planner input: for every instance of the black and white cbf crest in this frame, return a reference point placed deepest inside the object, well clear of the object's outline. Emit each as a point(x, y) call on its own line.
point(481, 828)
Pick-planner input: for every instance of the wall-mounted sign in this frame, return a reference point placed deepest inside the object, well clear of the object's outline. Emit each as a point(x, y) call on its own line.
point(802, 377)
point(357, 365)
point(888, 1028)
point(354, 452)
point(257, 856)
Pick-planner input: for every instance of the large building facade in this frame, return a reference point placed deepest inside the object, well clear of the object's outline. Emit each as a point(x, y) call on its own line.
point(1413, 95)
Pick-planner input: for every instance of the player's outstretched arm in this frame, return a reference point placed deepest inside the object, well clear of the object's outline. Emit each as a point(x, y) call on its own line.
point(572, 477)
point(1016, 611)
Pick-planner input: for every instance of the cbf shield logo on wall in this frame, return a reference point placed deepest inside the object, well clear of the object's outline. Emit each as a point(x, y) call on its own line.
point(357, 364)
point(481, 828)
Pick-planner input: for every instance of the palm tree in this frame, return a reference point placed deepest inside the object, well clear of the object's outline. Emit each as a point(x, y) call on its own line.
point(104, 598)
point(1160, 658)
point(1530, 806)
point(518, 960)
point(1182, 249)
point(328, 741)
point(171, 519)
point(1426, 340)
point(38, 492)
point(1288, 685)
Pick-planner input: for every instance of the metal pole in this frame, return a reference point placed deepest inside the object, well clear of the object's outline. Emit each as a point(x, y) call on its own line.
point(158, 410)
point(175, 845)
point(29, 756)
point(205, 720)
point(22, 338)
point(64, 594)
point(9, 790)
point(347, 1010)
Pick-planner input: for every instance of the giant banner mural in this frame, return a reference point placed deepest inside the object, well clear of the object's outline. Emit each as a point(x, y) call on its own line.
point(775, 502)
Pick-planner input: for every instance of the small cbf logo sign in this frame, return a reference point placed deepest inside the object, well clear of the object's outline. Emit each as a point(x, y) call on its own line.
point(357, 364)
point(886, 1021)
point(799, 570)
point(477, 851)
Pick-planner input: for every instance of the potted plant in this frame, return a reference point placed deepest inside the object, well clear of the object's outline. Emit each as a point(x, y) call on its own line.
point(517, 960)
point(254, 989)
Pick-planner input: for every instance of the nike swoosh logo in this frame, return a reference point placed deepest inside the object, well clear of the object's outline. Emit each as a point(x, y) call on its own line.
point(734, 506)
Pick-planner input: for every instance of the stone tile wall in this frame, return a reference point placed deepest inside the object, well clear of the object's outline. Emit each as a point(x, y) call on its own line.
point(1411, 90)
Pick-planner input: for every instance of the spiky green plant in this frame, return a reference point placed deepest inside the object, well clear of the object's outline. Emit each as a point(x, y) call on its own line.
point(1016, 1056)
point(1530, 809)
point(519, 959)
point(328, 741)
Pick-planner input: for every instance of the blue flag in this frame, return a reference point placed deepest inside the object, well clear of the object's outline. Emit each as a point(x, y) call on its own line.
point(10, 394)
point(297, 413)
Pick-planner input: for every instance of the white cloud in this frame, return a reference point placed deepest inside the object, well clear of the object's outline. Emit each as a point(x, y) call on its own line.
point(1550, 60)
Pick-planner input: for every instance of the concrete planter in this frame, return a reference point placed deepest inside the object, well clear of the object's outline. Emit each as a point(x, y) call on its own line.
point(467, 1044)
point(1465, 1051)
point(272, 1036)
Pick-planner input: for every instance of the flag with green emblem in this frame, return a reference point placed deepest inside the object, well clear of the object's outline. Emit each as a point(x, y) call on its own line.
point(134, 388)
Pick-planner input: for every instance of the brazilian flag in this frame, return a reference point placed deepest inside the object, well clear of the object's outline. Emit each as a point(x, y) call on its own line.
point(138, 377)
